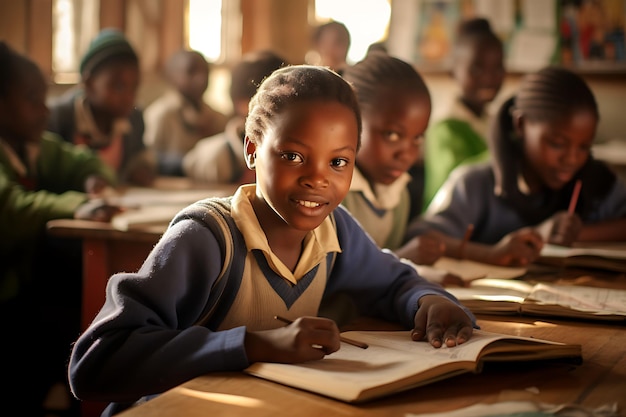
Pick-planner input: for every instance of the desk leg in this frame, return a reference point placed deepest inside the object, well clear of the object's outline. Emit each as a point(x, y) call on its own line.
point(95, 277)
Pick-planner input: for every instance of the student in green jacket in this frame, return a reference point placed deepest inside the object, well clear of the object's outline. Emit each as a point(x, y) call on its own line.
point(41, 178)
point(458, 136)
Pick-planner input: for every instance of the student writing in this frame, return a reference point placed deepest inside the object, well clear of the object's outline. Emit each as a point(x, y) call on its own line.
point(41, 178)
point(292, 247)
point(541, 146)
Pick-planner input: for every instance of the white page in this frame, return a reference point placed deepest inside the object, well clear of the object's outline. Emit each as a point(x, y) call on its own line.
point(590, 299)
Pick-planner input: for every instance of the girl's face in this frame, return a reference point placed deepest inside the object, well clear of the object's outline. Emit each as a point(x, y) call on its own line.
point(479, 70)
point(304, 164)
point(555, 152)
point(191, 76)
point(23, 112)
point(113, 89)
point(392, 137)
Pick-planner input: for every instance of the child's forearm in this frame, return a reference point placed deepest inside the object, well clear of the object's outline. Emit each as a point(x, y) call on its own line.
point(606, 231)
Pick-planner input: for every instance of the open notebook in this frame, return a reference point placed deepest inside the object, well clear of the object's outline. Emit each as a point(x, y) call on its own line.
point(609, 256)
point(393, 363)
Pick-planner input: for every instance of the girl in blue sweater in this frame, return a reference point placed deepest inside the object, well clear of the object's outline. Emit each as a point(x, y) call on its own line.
point(206, 297)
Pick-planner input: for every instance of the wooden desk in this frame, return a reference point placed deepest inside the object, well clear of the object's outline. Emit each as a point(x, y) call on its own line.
point(601, 379)
point(107, 250)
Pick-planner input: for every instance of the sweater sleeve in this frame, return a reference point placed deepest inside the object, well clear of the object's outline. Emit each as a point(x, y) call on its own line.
point(144, 341)
point(380, 284)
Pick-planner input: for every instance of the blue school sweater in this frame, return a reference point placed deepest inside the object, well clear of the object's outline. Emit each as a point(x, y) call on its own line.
point(145, 339)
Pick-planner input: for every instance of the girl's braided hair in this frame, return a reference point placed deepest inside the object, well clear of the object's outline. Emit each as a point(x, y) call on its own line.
point(296, 84)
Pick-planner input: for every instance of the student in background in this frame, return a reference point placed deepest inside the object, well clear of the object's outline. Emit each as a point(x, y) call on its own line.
point(459, 135)
point(101, 114)
point(395, 105)
point(219, 159)
point(176, 121)
point(293, 246)
point(541, 147)
point(330, 42)
point(41, 178)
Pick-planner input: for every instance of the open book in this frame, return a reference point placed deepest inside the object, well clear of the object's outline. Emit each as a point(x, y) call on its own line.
point(394, 363)
point(471, 270)
point(495, 296)
point(611, 256)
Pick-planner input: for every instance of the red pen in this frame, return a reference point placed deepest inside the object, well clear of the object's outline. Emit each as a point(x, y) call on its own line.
point(574, 199)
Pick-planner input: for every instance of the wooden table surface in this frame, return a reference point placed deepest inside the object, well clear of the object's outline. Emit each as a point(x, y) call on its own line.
point(599, 380)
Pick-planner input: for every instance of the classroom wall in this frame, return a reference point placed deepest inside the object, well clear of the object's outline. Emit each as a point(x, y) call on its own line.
point(156, 28)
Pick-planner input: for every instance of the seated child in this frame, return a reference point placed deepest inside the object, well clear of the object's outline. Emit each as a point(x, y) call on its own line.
point(101, 115)
point(219, 159)
point(541, 147)
point(41, 178)
point(330, 44)
point(458, 135)
point(395, 106)
point(291, 247)
point(176, 121)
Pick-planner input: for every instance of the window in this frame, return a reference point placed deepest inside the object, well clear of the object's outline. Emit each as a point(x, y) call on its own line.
point(74, 24)
point(366, 20)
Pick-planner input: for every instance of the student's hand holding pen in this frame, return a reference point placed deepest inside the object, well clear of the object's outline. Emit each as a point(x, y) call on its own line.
point(305, 339)
point(562, 228)
point(518, 248)
point(97, 209)
point(424, 249)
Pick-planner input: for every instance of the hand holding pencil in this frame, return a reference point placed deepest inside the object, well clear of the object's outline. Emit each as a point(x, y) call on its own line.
point(564, 227)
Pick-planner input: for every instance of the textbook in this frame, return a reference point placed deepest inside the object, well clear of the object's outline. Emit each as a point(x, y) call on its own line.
point(609, 256)
point(495, 296)
point(470, 270)
point(394, 363)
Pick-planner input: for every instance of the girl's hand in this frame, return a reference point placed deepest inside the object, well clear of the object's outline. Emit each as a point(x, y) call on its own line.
point(96, 185)
point(561, 228)
point(440, 321)
point(96, 210)
point(306, 339)
point(425, 249)
point(518, 248)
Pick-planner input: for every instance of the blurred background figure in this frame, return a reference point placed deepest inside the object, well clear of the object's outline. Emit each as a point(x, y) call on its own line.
point(330, 44)
point(177, 120)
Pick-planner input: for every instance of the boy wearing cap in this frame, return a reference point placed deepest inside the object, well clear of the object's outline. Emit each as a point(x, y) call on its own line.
point(101, 113)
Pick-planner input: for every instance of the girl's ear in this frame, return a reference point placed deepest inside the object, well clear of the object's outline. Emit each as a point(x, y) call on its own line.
point(249, 148)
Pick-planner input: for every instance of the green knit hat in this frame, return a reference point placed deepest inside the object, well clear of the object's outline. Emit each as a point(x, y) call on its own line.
point(109, 43)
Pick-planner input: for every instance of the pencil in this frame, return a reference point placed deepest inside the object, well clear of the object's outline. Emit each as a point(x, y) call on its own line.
point(343, 339)
point(466, 238)
point(574, 200)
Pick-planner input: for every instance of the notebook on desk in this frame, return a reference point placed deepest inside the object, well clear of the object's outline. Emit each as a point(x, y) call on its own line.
point(609, 256)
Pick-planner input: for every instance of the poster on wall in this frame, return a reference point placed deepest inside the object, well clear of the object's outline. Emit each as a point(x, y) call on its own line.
point(591, 34)
point(586, 35)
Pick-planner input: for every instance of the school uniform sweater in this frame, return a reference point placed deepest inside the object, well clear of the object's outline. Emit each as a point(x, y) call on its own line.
point(468, 197)
point(383, 211)
point(145, 339)
point(454, 139)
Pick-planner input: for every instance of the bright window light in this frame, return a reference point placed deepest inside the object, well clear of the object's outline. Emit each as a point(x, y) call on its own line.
point(366, 20)
point(205, 28)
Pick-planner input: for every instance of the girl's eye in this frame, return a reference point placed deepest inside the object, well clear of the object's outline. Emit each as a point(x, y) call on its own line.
point(291, 157)
point(339, 163)
point(419, 140)
point(556, 145)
